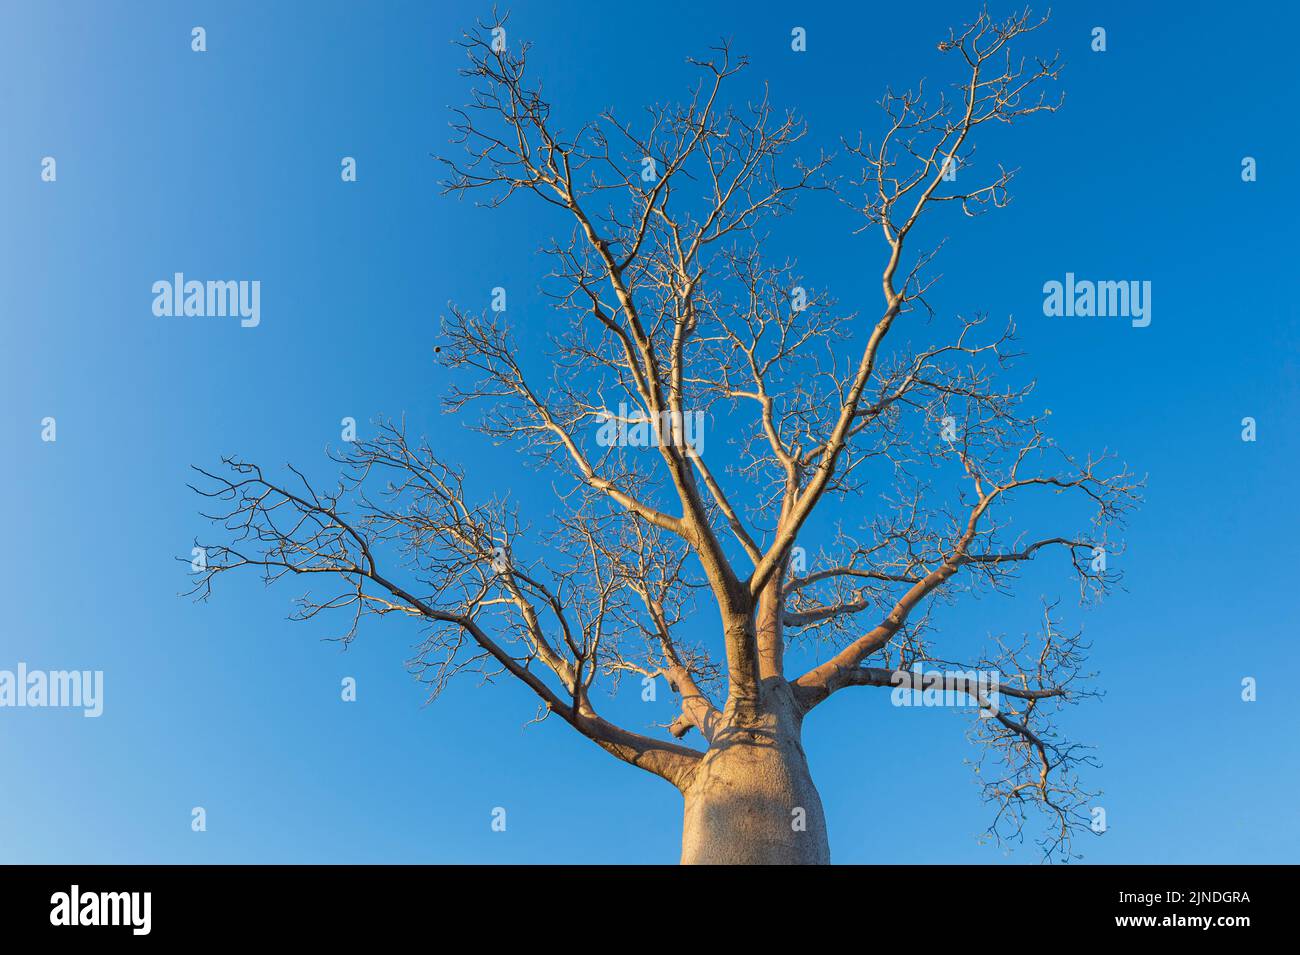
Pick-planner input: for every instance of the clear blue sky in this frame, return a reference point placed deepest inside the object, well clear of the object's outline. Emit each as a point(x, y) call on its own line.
point(226, 164)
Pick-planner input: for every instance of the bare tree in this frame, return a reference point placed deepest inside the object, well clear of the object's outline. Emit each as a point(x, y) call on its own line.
point(672, 314)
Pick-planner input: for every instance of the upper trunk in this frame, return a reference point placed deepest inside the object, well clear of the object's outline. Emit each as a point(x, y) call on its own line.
point(752, 799)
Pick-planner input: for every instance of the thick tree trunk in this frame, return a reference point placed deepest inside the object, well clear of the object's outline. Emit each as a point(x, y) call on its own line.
point(752, 799)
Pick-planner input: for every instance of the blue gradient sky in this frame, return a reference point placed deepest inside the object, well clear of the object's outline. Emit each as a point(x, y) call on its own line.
point(226, 165)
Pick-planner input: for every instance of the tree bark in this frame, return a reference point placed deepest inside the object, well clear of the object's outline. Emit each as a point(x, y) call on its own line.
point(752, 800)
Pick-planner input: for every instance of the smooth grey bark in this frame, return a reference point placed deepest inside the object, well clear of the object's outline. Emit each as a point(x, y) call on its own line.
point(752, 801)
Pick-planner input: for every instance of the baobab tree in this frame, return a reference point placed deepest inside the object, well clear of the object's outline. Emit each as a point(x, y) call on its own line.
point(670, 314)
